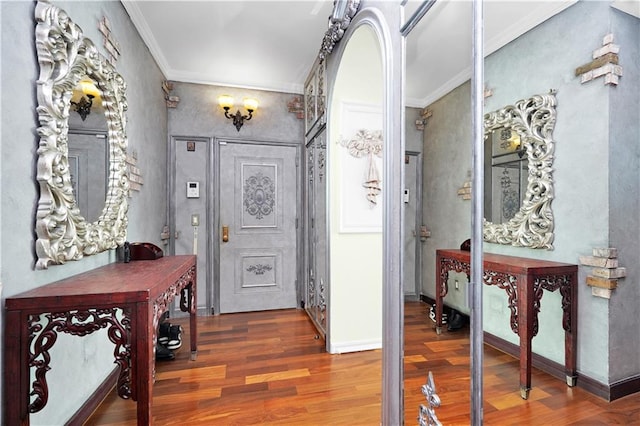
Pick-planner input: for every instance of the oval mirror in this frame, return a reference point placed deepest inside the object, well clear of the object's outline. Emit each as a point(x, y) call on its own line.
point(68, 60)
point(518, 173)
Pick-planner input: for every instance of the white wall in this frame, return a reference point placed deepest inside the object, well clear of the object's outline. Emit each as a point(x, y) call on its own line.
point(355, 313)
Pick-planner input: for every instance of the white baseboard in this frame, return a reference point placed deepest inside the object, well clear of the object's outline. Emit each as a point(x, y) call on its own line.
point(362, 345)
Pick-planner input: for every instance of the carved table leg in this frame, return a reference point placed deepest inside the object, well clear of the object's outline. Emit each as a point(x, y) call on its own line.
point(193, 310)
point(144, 362)
point(525, 330)
point(16, 374)
point(570, 324)
point(440, 292)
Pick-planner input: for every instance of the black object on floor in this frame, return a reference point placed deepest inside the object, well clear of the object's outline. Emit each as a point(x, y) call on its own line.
point(174, 340)
point(457, 321)
point(163, 333)
point(163, 353)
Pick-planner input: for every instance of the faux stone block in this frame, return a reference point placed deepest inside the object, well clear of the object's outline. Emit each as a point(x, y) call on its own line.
point(586, 77)
point(608, 252)
point(601, 292)
point(609, 48)
point(609, 273)
point(609, 58)
point(598, 262)
point(608, 39)
point(611, 79)
point(602, 282)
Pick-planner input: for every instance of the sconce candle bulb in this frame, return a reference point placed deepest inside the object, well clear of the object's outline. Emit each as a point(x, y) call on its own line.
point(226, 102)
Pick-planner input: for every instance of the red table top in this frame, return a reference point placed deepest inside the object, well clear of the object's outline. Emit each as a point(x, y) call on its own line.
point(136, 281)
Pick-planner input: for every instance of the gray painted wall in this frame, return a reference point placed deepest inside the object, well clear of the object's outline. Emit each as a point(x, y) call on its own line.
point(624, 199)
point(198, 114)
point(72, 357)
point(413, 137)
point(596, 132)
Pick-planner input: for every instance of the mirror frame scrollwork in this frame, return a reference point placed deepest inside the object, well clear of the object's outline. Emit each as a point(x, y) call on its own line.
point(341, 16)
point(534, 119)
point(65, 56)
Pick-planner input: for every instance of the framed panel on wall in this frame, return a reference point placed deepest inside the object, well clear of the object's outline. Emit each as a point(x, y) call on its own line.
point(360, 165)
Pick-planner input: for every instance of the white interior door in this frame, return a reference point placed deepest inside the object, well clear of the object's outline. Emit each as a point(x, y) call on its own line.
point(258, 203)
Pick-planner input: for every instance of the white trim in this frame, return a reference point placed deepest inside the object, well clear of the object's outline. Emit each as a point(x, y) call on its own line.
point(513, 31)
point(199, 78)
point(355, 346)
point(147, 35)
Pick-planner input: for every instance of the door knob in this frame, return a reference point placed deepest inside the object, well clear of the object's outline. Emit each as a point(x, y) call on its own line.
point(225, 234)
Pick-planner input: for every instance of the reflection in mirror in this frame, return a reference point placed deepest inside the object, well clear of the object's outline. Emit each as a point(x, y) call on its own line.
point(506, 170)
point(88, 149)
point(519, 144)
point(88, 165)
point(66, 59)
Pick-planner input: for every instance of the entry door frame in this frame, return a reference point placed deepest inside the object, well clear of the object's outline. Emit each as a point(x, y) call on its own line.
point(419, 221)
point(215, 233)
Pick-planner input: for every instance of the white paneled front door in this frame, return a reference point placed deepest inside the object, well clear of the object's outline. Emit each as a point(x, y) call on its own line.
point(258, 203)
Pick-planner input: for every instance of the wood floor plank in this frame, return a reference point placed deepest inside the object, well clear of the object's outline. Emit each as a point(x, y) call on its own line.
point(268, 368)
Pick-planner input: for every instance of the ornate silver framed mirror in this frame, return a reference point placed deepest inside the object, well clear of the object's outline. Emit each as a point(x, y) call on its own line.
point(66, 59)
point(518, 173)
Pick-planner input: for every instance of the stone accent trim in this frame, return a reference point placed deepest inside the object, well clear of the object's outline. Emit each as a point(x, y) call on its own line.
point(425, 114)
point(135, 174)
point(296, 106)
point(605, 273)
point(108, 40)
point(464, 192)
point(172, 101)
point(604, 64)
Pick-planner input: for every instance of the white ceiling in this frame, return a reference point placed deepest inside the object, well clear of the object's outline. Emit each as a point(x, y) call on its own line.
point(271, 44)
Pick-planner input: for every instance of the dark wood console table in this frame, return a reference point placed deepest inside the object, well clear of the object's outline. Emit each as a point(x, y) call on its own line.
point(524, 281)
point(127, 299)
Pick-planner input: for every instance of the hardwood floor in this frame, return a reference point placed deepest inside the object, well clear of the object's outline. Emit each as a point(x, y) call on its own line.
point(269, 368)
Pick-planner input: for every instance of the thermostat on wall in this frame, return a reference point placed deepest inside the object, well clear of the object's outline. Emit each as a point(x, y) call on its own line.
point(193, 189)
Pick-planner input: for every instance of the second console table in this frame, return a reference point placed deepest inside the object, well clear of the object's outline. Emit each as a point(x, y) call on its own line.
point(524, 281)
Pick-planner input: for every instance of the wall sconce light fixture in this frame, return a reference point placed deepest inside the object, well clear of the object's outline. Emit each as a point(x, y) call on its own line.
point(89, 92)
point(226, 102)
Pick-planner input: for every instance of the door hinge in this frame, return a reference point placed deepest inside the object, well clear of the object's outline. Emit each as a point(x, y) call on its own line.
point(296, 223)
point(297, 161)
